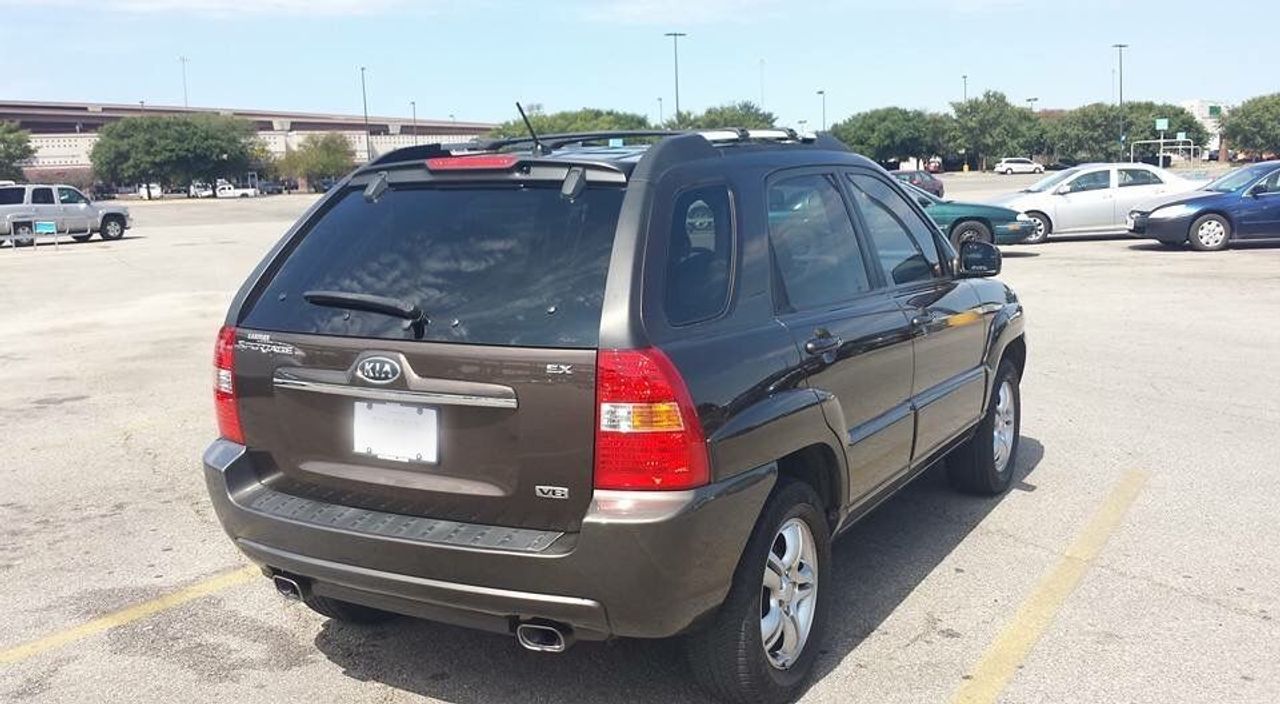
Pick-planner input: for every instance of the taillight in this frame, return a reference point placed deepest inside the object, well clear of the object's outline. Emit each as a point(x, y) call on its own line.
point(477, 162)
point(224, 385)
point(647, 435)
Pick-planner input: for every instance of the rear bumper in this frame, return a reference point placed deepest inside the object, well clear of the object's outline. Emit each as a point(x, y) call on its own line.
point(643, 564)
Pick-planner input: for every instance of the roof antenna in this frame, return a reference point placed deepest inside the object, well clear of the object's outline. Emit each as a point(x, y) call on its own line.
point(539, 149)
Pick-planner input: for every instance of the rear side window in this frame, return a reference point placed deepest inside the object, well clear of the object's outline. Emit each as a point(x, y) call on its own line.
point(12, 196)
point(500, 265)
point(904, 243)
point(1138, 177)
point(814, 247)
point(699, 255)
point(42, 196)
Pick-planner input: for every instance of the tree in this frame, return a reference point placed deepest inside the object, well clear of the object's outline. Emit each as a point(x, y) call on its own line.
point(991, 127)
point(584, 120)
point(745, 114)
point(319, 156)
point(15, 148)
point(1254, 126)
point(1092, 132)
point(886, 134)
point(1140, 124)
point(172, 150)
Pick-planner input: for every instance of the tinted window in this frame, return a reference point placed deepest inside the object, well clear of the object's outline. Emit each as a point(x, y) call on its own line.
point(814, 247)
point(497, 265)
point(904, 242)
point(12, 196)
point(1138, 177)
point(1092, 181)
point(699, 255)
point(42, 196)
point(70, 196)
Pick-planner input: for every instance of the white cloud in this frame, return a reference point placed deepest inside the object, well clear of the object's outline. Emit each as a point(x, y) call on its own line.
point(229, 7)
point(681, 13)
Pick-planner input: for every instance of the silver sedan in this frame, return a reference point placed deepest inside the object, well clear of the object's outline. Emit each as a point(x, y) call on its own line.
point(1091, 198)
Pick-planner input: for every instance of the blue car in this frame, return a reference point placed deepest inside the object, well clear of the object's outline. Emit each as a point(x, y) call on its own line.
point(1242, 205)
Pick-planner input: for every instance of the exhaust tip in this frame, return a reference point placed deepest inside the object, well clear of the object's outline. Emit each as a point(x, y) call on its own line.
point(288, 588)
point(542, 638)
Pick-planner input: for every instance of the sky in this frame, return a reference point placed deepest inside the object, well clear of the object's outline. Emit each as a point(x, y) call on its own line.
point(475, 58)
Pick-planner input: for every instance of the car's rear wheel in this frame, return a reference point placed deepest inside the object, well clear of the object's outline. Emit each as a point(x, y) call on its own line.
point(345, 611)
point(1040, 228)
point(112, 228)
point(969, 231)
point(984, 464)
point(761, 644)
point(1038, 170)
point(1210, 233)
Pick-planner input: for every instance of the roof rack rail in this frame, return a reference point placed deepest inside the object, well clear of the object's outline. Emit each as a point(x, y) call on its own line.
point(415, 153)
point(555, 141)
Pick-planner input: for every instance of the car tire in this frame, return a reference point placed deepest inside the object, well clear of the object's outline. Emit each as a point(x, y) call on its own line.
point(728, 655)
point(1209, 233)
point(985, 463)
point(112, 228)
point(967, 230)
point(1041, 229)
point(345, 611)
point(1008, 172)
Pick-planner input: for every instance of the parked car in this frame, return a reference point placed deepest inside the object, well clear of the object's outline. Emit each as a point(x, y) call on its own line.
point(322, 185)
point(1242, 205)
point(1017, 165)
point(272, 188)
point(229, 190)
point(150, 191)
point(428, 404)
point(923, 180)
point(1090, 198)
point(199, 189)
point(22, 206)
point(934, 166)
point(962, 222)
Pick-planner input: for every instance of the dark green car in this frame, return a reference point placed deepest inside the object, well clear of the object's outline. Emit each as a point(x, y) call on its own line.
point(973, 221)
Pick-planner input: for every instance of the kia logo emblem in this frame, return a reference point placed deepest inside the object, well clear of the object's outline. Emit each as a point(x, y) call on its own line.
point(378, 370)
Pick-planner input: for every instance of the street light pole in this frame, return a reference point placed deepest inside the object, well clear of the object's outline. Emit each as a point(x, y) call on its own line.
point(661, 118)
point(675, 51)
point(965, 78)
point(413, 105)
point(1031, 103)
point(183, 60)
point(364, 99)
point(823, 94)
point(1120, 55)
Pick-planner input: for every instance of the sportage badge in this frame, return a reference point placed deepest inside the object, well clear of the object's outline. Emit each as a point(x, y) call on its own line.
point(378, 370)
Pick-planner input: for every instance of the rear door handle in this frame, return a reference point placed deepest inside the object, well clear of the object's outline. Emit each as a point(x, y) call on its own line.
point(821, 345)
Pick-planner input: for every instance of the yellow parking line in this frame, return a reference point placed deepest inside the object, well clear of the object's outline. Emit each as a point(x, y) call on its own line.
point(129, 614)
point(1003, 657)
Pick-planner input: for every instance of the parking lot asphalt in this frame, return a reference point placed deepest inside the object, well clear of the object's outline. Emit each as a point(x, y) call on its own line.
point(1134, 560)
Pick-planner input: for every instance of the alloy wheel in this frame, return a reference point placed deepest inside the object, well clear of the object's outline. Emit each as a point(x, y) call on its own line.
point(788, 599)
point(1004, 427)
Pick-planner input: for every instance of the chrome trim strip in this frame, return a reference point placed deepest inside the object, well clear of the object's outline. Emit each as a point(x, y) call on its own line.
point(396, 395)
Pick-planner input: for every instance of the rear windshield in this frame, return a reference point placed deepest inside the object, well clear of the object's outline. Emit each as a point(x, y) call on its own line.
point(501, 265)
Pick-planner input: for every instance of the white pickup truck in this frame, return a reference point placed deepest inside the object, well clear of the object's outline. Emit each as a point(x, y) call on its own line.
point(227, 190)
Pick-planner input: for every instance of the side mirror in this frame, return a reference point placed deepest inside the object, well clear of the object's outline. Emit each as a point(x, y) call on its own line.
point(1062, 190)
point(924, 202)
point(978, 259)
point(1258, 189)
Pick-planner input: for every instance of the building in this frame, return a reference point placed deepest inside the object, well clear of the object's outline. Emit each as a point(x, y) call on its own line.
point(63, 134)
point(1209, 114)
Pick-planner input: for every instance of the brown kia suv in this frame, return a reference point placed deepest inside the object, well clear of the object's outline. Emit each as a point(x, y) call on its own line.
point(576, 388)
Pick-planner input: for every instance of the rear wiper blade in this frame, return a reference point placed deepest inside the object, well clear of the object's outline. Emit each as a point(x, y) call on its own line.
point(370, 303)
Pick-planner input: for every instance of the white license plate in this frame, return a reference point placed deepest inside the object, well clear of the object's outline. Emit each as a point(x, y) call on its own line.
point(393, 431)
